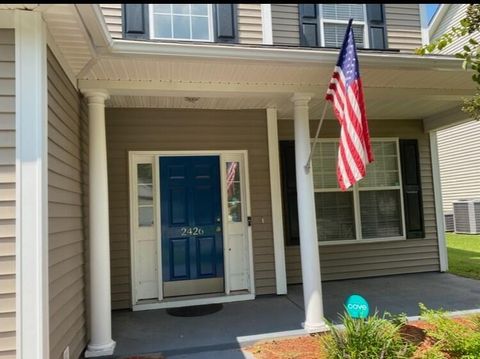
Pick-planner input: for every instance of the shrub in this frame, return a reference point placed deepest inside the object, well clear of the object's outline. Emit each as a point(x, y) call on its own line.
point(370, 338)
point(457, 339)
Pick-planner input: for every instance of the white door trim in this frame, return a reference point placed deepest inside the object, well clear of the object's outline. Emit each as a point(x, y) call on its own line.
point(172, 302)
point(31, 123)
point(276, 198)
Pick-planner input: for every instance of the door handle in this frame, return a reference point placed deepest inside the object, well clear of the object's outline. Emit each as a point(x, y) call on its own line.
point(249, 220)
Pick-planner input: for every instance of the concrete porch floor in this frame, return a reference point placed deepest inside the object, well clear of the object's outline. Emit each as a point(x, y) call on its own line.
point(155, 331)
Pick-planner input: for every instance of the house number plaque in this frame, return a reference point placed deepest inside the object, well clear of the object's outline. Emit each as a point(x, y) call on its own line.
point(192, 231)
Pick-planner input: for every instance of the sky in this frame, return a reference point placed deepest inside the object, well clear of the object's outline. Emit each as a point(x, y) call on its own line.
point(431, 10)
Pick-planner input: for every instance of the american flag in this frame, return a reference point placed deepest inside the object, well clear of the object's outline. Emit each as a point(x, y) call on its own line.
point(346, 94)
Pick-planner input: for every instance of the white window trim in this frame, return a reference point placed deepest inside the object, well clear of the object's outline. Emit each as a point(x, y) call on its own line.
point(366, 40)
point(356, 200)
point(210, 27)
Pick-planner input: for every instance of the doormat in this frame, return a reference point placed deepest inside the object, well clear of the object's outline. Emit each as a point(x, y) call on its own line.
point(195, 311)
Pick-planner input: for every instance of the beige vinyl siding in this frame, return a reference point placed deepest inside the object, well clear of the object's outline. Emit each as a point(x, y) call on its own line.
point(178, 130)
point(249, 22)
point(451, 18)
point(7, 194)
point(112, 14)
point(404, 31)
point(65, 214)
point(285, 24)
point(459, 157)
point(377, 258)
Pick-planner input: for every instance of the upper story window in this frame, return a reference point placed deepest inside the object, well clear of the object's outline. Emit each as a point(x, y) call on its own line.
point(181, 22)
point(333, 23)
point(325, 24)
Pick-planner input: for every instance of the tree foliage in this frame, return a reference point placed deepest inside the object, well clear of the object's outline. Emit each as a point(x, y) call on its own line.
point(470, 53)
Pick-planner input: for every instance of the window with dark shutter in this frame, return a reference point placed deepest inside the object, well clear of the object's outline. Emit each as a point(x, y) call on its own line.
point(412, 189)
point(289, 193)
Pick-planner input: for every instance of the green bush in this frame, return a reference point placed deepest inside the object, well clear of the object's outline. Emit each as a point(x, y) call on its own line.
point(456, 339)
point(370, 338)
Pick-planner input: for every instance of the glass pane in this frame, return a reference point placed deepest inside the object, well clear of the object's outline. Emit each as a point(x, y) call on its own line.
point(324, 164)
point(199, 28)
point(343, 11)
point(199, 9)
point(163, 8)
point(234, 211)
point(163, 26)
point(381, 214)
point(181, 9)
point(233, 172)
point(334, 34)
point(335, 216)
point(181, 27)
point(145, 216)
point(144, 173)
point(145, 194)
point(383, 172)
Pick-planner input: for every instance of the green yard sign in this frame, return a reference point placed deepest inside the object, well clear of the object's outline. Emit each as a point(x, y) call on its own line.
point(357, 306)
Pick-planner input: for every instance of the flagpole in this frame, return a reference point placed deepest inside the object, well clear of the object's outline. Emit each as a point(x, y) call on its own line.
point(307, 165)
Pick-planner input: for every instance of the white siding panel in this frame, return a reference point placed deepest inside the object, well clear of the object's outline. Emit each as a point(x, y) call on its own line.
point(459, 156)
point(113, 18)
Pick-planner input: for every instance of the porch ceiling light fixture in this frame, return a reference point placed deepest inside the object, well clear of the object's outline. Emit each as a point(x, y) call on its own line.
point(192, 99)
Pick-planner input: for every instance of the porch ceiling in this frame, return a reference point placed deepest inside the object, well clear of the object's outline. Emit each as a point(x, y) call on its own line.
point(165, 81)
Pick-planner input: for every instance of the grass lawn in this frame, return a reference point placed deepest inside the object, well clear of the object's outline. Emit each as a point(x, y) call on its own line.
point(464, 254)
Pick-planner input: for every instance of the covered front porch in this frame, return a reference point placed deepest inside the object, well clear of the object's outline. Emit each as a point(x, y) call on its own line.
point(239, 324)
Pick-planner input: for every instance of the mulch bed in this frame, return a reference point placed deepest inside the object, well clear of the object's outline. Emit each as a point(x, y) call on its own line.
point(310, 347)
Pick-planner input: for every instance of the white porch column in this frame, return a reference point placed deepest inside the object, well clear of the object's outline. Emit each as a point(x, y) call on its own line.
point(437, 190)
point(101, 342)
point(307, 222)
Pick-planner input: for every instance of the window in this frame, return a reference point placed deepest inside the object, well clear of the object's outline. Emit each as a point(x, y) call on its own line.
point(181, 21)
point(371, 209)
point(333, 23)
point(234, 195)
point(145, 194)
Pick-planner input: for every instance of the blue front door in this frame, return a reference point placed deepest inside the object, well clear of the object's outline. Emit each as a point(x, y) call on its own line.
point(191, 217)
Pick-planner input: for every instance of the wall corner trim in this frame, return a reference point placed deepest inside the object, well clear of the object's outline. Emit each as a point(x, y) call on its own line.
point(267, 29)
point(32, 302)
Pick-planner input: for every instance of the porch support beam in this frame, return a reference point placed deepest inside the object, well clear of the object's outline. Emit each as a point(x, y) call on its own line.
point(437, 190)
point(101, 342)
point(175, 88)
point(276, 197)
point(307, 222)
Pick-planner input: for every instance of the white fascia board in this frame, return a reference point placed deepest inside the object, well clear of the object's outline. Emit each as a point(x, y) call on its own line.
point(277, 54)
point(94, 21)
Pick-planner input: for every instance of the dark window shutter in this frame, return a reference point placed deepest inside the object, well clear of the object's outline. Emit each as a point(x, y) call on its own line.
point(376, 26)
point(135, 21)
point(225, 16)
point(309, 25)
point(412, 188)
point(289, 193)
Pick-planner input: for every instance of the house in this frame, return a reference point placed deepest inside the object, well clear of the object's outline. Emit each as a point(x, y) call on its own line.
point(458, 146)
point(153, 156)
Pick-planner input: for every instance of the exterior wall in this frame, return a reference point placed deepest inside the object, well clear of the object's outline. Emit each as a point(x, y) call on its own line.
point(165, 129)
point(285, 24)
point(451, 18)
point(377, 258)
point(7, 194)
point(459, 157)
point(66, 238)
point(403, 25)
point(404, 30)
point(249, 22)
point(113, 18)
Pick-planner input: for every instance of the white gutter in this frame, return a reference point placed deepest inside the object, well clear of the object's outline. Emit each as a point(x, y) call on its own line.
point(278, 54)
